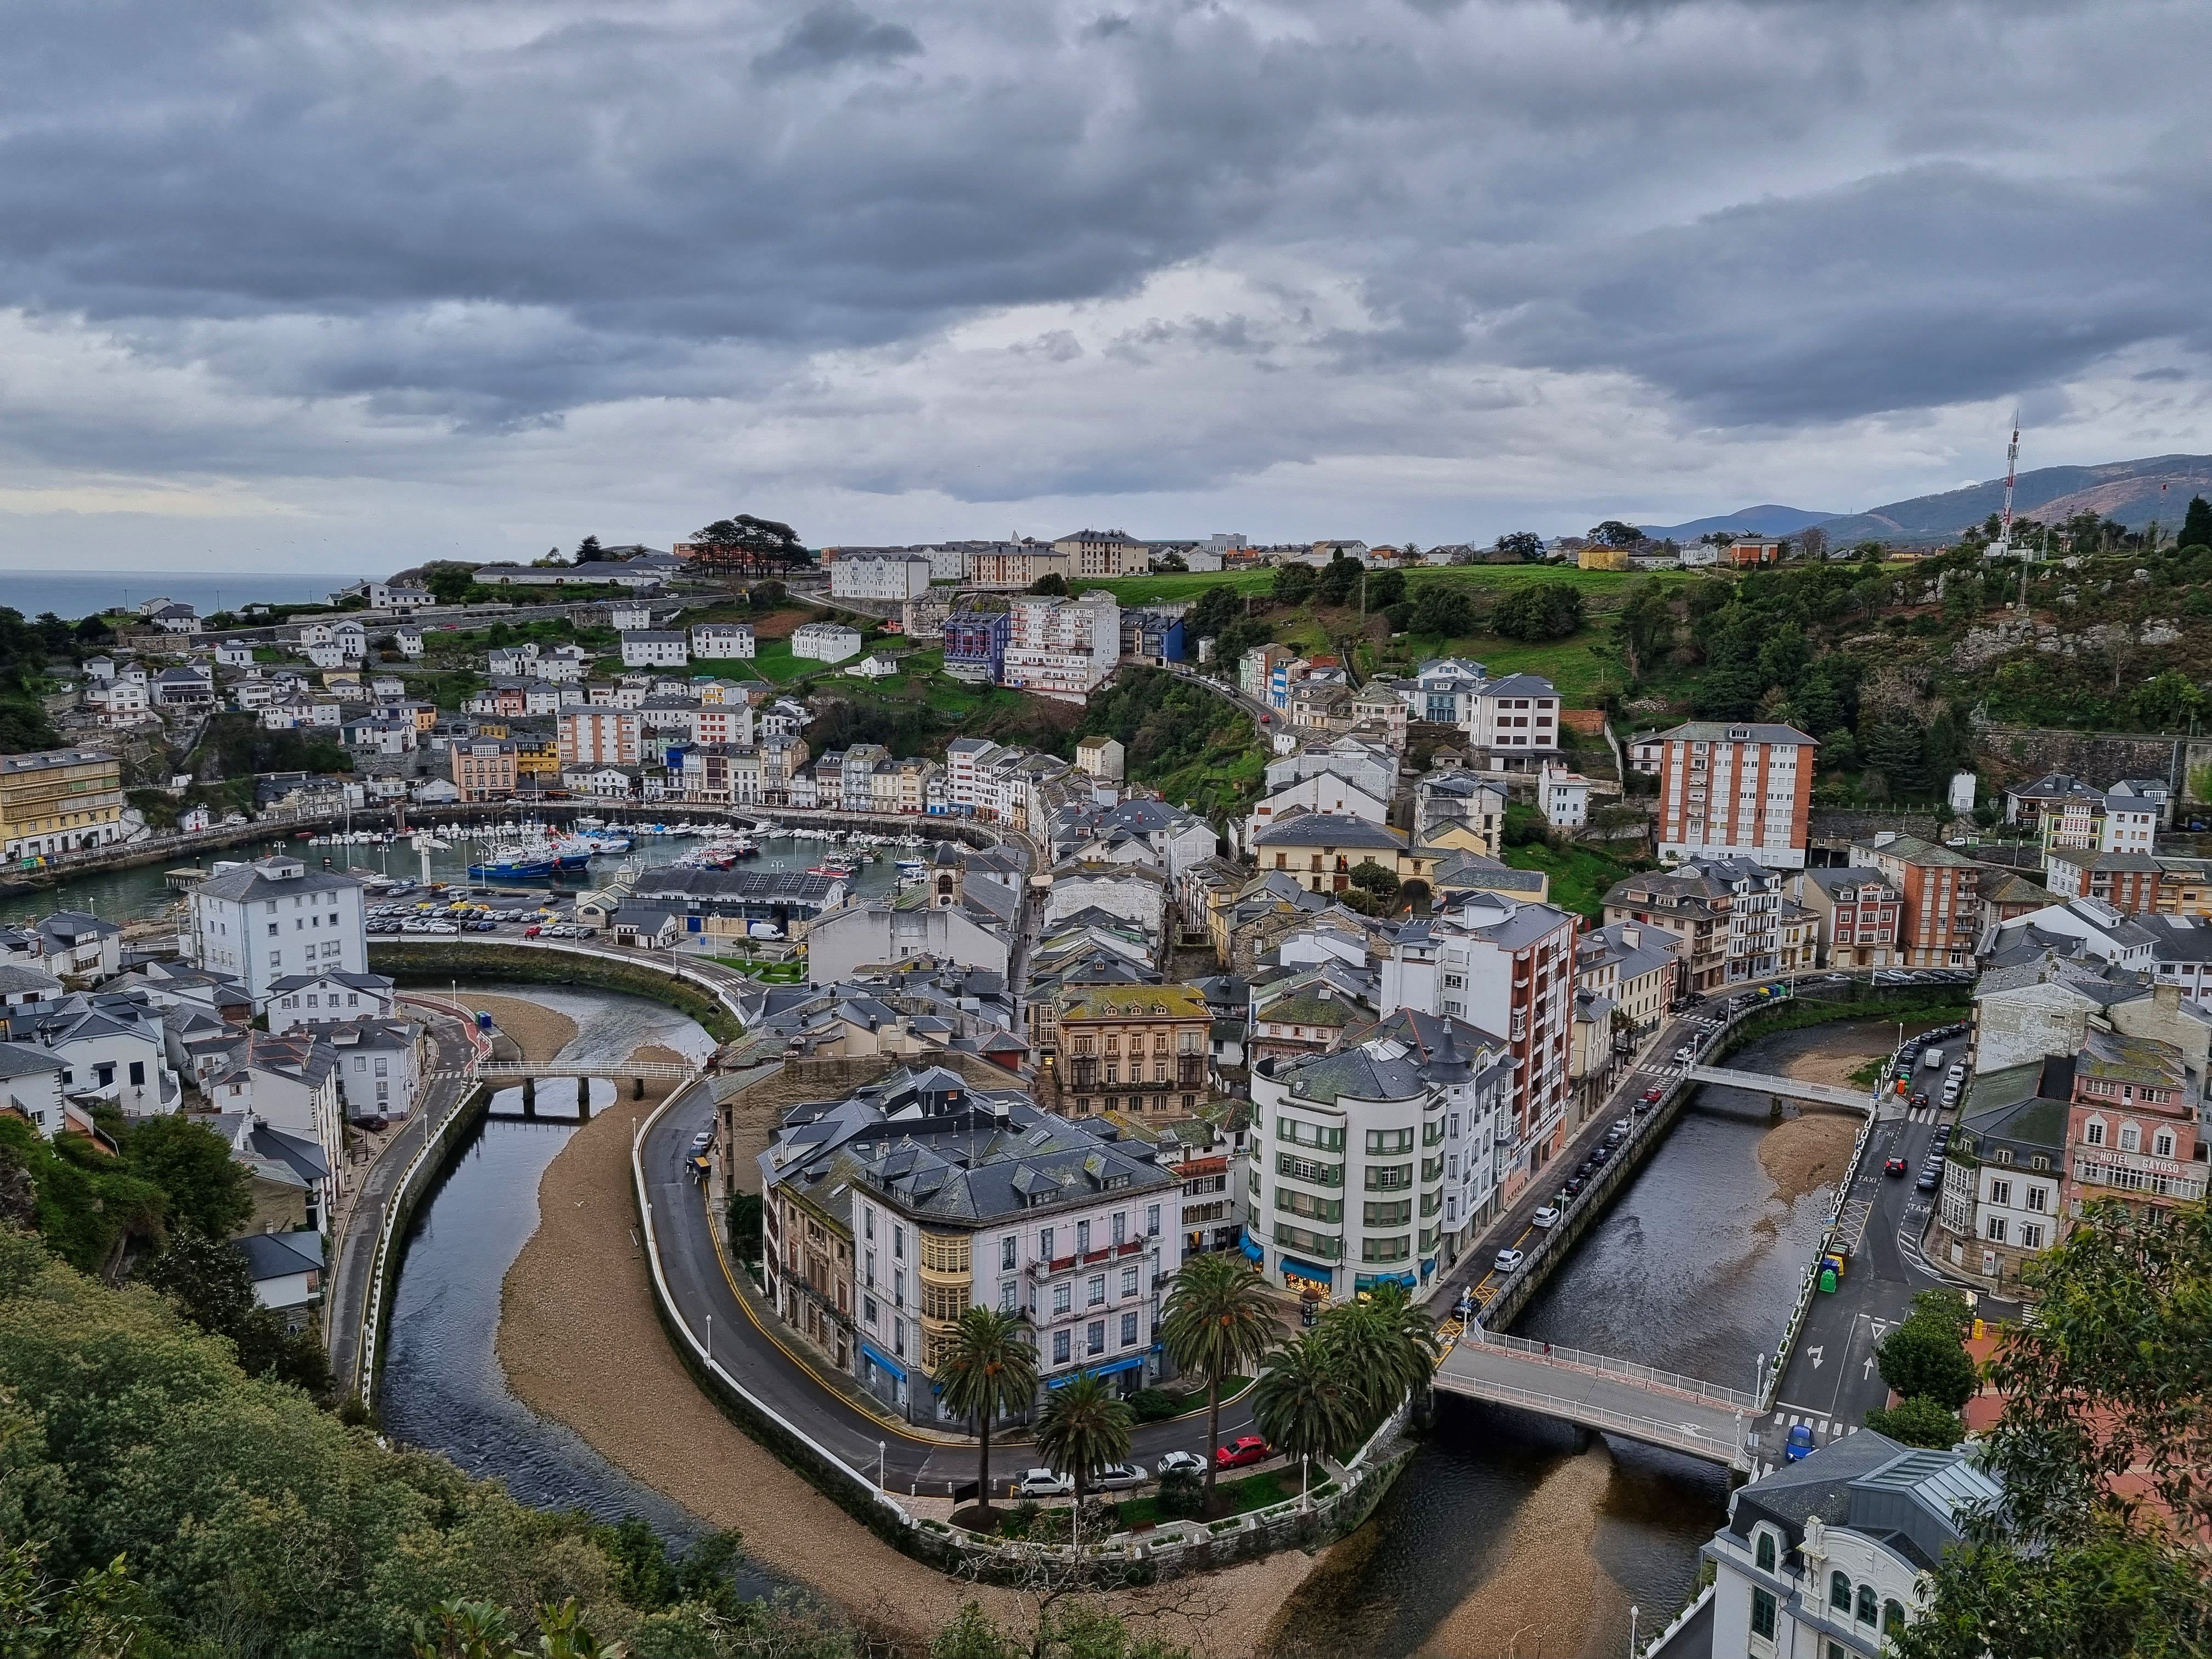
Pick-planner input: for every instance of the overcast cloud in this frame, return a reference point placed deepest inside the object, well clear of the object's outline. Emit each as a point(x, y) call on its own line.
point(366, 283)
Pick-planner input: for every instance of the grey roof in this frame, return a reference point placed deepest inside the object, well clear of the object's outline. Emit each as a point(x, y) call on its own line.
point(1520, 685)
point(1327, 830)
point(26, 1060)
point(278, 1256)
point(253, 882)
point(1833, 881)
point(1379, 1069)
point(2022, 1106)
point(76, 925)
point(373, 982)
point(2093, 979)
point(1752, 731)
point(14, 979)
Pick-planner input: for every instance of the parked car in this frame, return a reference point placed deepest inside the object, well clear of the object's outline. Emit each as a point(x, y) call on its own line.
point(1547, 1216)
point(1508, 1260)
point(1575, 1185)
point(1651, 1097)
point(1180, 1462)
point(1930, 1178)
point(1686, 1053)
point(1044, 1483)
point(1799, 1443)
point(1116, 1477)
point(1244, 1449)
point(701, 1141)
point(1599, 1155)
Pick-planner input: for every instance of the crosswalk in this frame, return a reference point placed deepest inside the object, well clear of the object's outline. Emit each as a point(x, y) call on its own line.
point(1826, 1430)
point(1924, 1114)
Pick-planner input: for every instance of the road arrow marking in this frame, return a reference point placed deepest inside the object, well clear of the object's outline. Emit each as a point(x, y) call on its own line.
point(1815, 1352)
point(1868, 1372)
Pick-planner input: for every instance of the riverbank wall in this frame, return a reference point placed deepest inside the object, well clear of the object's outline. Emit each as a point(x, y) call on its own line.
point(416, 1182)
point(432, 965)
point(1792, 1014)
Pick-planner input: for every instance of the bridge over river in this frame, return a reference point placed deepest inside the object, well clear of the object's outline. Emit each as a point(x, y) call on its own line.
point(1659, 1408)
point(1790, 1088)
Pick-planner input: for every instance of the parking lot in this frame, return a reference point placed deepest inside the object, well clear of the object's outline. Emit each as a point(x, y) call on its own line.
point(517, 915)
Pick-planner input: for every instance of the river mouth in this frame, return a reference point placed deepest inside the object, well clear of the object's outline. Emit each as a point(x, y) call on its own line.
point(1514, 1534)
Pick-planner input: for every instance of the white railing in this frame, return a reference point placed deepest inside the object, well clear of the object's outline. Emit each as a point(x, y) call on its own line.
point(1679, 1435)
point(1626, 1370)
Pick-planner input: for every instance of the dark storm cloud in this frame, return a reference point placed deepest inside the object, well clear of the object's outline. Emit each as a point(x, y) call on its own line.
point(1771, 212)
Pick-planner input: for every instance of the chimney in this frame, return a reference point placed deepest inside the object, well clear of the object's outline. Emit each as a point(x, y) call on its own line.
point(1631, 937)
point(2166, 998)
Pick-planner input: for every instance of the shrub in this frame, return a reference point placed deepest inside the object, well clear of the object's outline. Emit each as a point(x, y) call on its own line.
point(1153, 1405)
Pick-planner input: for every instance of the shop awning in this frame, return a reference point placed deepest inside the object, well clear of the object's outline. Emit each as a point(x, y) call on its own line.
point(1252, 1250)
point(1308, 1270)
point(1107, 1370)
point(883, 1360)
point(1371, 1281)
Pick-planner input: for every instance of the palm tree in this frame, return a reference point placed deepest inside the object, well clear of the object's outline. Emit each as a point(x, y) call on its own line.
point(1304, 1403)
point(1082, 1429)
point(988, 1369)
point(1383, 1346)
point(1217, 1321)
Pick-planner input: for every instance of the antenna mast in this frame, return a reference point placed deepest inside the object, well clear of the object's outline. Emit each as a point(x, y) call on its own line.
point(2003, 550)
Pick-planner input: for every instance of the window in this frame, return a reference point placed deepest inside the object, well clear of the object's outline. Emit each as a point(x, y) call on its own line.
point(2094, 1132)
point(2130, 1138)
point(1152, 1221)
point(1083, 1239)
point(1893, 1618)
point(1059, 1347)
point(2163, 1146)
point(1063, 1299)
point(1128, 1281)
point(898, 1244)
point(1762, 1613)
point(1044, 1242)
point(868, 1228)
point(1121, 1227)
point(1839, 1590)
point(898, 1288)
point(1997, 1232)
point(1128, 1330)
point(2035, 1197)
point(1094, 1339)
point(2031, 1236)
point(1007, 1247)
point(1866, 1608)
point(1999, 1192)
point(868, 1309)
point(1763, 1552)
point(1094, 1293)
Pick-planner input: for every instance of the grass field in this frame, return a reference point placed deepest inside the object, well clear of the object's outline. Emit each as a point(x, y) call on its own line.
point(1581, 876)
point(1599, 587)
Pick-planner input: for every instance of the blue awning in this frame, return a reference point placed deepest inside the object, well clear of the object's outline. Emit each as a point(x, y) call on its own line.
point(1252, 1250)
point(1369, 1281)
point(884, 1359)
point(1307, 1270)
point(1107, 1370)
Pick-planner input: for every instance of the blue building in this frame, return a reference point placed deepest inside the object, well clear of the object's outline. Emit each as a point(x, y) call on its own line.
point(975, 644)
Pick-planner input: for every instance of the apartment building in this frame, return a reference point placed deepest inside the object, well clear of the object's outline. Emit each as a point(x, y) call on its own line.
point(263, 921)
point(722, 641)
point(484, 768)
point(1729, 913)
point(651, 648)
point(1140, 1049)
point(1517, 719)
point(825, 642)
point(1638, 968)
point(1013, 566)
point(1063, 648)
point(1856, 913)
point(1104, 553)
point(2128, 881)
point(1731, 791)
point(1940, 912)
point(1508, 967)
point(975, 638)
point(1322, 849)
point(880, 576)
point(1376, 1164)
point(600, 737)
point(59, 800)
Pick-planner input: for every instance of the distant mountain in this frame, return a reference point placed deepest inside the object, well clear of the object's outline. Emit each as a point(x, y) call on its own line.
point(1768, 520)
point(2134, 492)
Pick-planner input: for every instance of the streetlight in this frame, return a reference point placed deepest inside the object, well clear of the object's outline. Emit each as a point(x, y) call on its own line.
point(710, 1342)
point(880, 1446)
point(1633, 1614)
point(1758, 1388)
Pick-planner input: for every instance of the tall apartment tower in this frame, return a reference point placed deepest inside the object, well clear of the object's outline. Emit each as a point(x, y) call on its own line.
point(1743, 792)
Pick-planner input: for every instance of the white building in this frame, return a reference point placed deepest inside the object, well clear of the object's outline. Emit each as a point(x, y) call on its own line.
point(722, 641)
point(261, 921)
point(1564, 798)
point(1517, 719)
point(825, 642)
point(381, 1065)
point(407, 639)
point(1063, 648)
point(1317, 792)
point(290, 1082)
point(655, 648)
point(327, 998)
point(628, 615)
point(1375, 1162)
point(1829, 1555)
point(234, 654)
point(896, 576)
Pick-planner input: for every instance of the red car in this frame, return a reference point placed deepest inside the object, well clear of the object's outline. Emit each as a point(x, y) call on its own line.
point(1245, 1449)
point(1652, 1095)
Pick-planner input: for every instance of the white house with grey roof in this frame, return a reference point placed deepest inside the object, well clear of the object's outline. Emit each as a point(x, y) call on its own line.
point(938, 1196)
point(263, 921)
point(655, 648)
point(1831, 1556)
point(1375, 1162)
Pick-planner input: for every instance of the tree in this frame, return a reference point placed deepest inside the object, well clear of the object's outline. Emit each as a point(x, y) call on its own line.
point(1217, 608)
point(588, 550)
point(1922, 1360)
point(1813, 542)
point(1385, 588)
point(207, 1278)
point(749, 543)
point(1338, 580)
point(989, 1369)
point(208, 1190)
point(1445, 610)
point(2196, 524)
point(1082, 1429)
point(1294, 583)
point(1372, 877)
point(745, 1209)
point(2102, 1449)
point(1614, 533)
point(1524, 545)
point(1304, 1404)
point(1052, 583)
point(91, 1617)
point(1542, 610)
point(1216, 1321)
point(1172, 562)
point(1384, 1347)
point(448, 581)
point(1919, 1421)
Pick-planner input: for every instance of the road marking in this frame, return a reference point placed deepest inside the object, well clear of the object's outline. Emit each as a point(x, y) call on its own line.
point(1824, 1426)
point(1814, 1351)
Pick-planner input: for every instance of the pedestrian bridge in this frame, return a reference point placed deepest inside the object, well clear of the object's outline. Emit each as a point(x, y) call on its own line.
point(1827, 1094)
point(1614, 1396)
point(524, 1070)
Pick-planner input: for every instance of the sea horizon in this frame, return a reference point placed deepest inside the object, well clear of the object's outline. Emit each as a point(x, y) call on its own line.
point(73, 594)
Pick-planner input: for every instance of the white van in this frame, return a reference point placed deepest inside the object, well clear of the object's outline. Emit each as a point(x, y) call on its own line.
point(1931, 1058)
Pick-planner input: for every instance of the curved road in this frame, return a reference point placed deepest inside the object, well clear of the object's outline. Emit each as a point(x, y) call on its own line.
point(702, 1281)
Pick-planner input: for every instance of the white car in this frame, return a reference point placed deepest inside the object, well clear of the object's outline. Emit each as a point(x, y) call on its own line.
point(1116, 1477)
point(1686, 1053)
point(1184, 1461)
point(1508, 1260)
point(1547, 1216)
point(1044, 1483)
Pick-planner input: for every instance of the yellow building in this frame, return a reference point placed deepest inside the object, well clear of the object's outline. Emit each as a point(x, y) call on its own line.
point(537, 757)
point(59, 800)
point(1601, 558)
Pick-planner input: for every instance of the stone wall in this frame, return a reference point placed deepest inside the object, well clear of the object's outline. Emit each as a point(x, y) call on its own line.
point(2102, 758)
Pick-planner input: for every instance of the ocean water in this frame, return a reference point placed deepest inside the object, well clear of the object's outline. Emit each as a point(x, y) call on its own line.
point(75, 593)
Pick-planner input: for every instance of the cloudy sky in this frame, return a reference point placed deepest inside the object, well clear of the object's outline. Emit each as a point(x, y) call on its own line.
point(293, 284)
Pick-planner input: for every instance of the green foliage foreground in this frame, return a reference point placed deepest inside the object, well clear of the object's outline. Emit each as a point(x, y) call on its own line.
point(155, 1499)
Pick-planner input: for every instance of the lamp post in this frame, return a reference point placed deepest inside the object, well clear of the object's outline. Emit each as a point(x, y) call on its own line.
point(880, 1446)
point(710, 1342)
point(1634, 1613)
point(1759, 1387)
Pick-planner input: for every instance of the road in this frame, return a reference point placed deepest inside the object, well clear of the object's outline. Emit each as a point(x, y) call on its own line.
point(750, 1344)
point(1832, 1380)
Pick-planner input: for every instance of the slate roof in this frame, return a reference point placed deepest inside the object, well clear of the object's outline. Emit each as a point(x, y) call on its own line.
point(279, 1255)
point(253, 882)
point(1753, 731)
point(1329, 830)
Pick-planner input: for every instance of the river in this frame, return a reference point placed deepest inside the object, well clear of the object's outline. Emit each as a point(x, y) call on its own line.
point(1510, 1532)
point(143, 894)
point(443, 1387)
